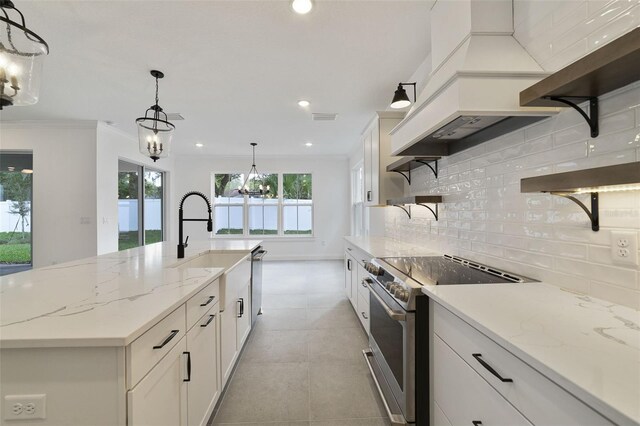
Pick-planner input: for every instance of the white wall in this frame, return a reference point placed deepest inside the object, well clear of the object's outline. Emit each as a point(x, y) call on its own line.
point(484, 216)
point(330, 199)
point(64, 171)
point(114, 145)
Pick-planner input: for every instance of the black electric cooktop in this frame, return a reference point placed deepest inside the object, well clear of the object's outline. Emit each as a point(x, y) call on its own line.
point(449, 270)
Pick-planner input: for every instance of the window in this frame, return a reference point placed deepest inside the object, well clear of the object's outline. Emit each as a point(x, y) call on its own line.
point(140, 205)
point(286, 210)
point(298, 205)
point(16, 190)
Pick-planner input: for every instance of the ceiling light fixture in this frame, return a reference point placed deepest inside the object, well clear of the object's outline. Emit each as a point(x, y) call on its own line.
point(400, 98)
point(21, 54)
point(27, 171)
point(253, 185)
point(302, 7)
point(303, 103)
point(308, 144)
point(155, 131)
point(199, 145)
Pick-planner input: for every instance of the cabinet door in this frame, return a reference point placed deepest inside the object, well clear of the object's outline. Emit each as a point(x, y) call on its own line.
point(228, 348)
point(160, 398)
point(368, 168)
point(348, 272)
point(204, 387)
point(244, 317)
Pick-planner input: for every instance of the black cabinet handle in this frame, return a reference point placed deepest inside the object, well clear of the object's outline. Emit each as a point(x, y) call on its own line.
point(167, 340)
point(188, 354)
point(241, 306)
point(364, 316)
point(209, 300)
point(348, 264)
point(476, 423)
point(211, 317)
point(368, 195)
point(478, 358)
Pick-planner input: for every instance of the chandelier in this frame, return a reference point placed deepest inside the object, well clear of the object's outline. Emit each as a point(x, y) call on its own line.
point(154, 129)
point(252, 187)
point(21, 55)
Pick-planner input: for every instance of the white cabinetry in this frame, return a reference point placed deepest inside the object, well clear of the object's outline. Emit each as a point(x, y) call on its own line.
point(380, 185)
point(475, 379)
point(235, 318)
point(354, 274)
point(161, 396)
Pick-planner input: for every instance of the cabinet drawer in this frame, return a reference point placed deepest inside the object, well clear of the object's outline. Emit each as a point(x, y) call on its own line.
point(199, 304)
point(463, 396)
point(363, 311)
point(145, 352)
point(536, 397)
point(358, 255)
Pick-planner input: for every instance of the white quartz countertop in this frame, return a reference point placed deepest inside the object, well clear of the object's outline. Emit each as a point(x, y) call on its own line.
point(589, 347)
point(107, 300)
point(386, 247)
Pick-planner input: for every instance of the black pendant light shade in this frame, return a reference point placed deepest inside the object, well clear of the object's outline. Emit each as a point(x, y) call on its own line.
point(154, 129)
point(400, 97)
point(251, 186)
point(21, 55)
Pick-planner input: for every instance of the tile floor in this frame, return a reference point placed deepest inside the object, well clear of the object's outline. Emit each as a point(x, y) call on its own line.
point(303, 362)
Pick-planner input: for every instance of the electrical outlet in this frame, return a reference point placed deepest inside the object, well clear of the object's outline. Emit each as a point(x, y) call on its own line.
point(624, 247)
point(25, 407)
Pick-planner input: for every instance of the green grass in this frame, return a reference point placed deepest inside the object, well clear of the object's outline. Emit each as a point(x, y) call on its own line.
point(15, 253)
point(15, 247)
point(127, 240)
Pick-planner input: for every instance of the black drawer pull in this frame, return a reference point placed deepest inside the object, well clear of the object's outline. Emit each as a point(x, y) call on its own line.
point(478, 358)
point(364, 316)
point(476, 423)
point(211, 317)
point(209, 300)
point(188, 354)
point(167, 340)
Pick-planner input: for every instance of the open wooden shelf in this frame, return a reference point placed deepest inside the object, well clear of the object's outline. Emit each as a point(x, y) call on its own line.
point(608, 68)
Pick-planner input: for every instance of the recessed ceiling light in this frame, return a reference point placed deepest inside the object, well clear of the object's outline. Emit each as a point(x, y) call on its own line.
point(308, 144)
point(303, 103)
point(27, 171)
point(302, 6)
point(11, 168)
point(199, 145)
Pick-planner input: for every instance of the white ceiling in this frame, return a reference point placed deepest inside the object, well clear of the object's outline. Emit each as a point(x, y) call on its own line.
point(234, 69)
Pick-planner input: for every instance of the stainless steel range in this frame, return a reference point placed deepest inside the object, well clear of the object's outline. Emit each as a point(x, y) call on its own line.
point(394, 284)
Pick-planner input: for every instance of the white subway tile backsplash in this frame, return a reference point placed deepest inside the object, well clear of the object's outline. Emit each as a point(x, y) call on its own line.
point(484, 216)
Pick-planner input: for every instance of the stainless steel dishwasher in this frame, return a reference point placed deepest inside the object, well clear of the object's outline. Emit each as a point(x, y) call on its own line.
point(256, 283)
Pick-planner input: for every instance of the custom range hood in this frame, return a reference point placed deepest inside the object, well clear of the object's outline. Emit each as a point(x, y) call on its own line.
point(472, 94)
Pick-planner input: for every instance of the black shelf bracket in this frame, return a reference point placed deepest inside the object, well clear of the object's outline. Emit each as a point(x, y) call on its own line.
point(407, 210)
point(406, 176)
point(594, 215)
point(433, 168)
point(591, 119)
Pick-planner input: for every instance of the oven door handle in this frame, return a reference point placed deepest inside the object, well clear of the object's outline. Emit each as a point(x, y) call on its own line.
point(394, 315)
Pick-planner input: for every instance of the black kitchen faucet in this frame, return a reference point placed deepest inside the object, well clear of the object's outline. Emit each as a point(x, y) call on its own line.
point(181, 245)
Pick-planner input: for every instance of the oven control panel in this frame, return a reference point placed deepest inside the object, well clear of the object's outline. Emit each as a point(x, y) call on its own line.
point(399, 290)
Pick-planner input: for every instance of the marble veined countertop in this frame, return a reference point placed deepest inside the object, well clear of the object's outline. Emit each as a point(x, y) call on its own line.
point(108, 300)
point(588, 346)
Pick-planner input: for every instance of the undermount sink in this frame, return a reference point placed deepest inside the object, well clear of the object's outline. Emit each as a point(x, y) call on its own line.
point(213, 259)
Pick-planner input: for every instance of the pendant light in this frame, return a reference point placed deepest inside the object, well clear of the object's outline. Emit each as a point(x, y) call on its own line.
point(400, 97)
point(21, 56)
point(253, 189)
point(154, 129)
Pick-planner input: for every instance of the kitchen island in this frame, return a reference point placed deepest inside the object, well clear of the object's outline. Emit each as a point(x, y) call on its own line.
point(88, 333)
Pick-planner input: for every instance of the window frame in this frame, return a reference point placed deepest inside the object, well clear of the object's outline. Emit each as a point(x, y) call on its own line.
point(280, 211)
